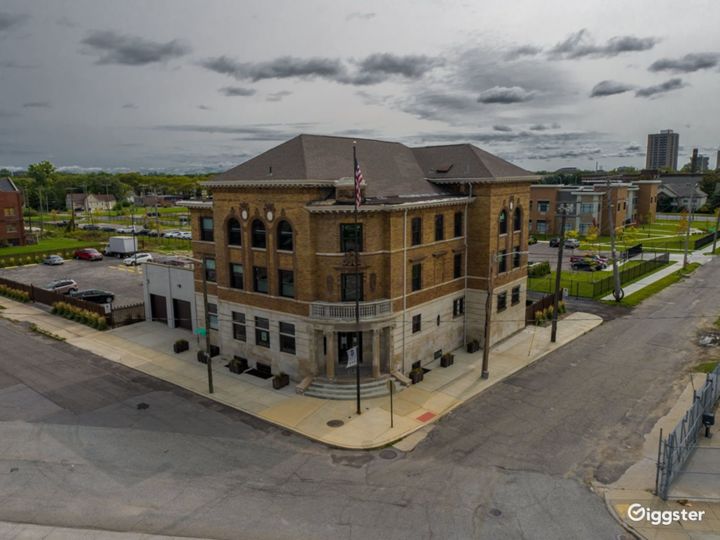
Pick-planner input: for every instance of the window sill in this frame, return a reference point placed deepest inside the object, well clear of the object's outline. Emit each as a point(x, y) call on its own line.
point(258, 248)
point(235, 246)
point(286, 251)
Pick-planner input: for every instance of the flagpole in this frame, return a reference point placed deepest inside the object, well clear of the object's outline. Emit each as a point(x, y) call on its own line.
point(357, 282)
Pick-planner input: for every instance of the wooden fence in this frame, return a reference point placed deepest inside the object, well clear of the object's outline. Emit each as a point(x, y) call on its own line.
point(540, 305)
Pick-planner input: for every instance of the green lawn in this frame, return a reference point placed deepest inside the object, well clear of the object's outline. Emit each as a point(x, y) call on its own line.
point(48, 244)
point(706, 367)
point(635, 298)
point(580, 281)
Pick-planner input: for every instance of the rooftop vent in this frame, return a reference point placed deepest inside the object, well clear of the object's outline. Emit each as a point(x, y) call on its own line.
point(444, 168)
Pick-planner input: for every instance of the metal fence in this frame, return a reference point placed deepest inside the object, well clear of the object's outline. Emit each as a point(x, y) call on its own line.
point(676, 449)
point(704, 241)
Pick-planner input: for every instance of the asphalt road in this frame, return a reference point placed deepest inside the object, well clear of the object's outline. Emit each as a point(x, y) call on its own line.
point(515, 462)
point(110, 274)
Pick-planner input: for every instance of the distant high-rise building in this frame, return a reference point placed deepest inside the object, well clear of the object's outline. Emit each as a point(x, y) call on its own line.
point(662, 150)
point(717, 161)
point(703, 163)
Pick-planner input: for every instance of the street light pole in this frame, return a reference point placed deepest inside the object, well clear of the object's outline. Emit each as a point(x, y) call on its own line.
point(687, 229)
point(208, 357)
point(717, 224)
point(558, 272)
point(488, 321)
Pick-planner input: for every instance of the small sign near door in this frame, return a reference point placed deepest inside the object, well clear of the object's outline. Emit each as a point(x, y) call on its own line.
point(352, 356)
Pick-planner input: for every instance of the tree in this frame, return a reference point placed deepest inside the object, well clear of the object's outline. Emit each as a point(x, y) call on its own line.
point(41, 172)
point(572, 233)
point(592, 235)
point(683, 223)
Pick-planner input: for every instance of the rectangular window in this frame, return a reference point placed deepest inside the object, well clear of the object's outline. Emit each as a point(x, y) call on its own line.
point(348, 240)
point(416, 277)
point(287, 338)
point(260, 279)
point(515, 295)
point(239, 328)
point(458, 229)
point(458, 306)
point(587, 208)
point(439, 227)
point(210, 270)
point(457, 265)
point(502, 301)
point(286, 279)
point(9, 212)
point(237, 276)
point(541, 227)
point(416, 323)
point(416, 231)
point(543, 206)
point(10, 228)
point(349, 290)
point(502, 261)
point(207, 232)
point(516, 257)
point(212, 316)
point(262, 332)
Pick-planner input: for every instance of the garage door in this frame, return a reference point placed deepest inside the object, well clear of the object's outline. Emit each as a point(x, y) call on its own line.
point(158, 308)
point(183, 314)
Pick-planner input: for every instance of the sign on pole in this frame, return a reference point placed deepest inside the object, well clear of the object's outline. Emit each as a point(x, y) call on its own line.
point(200, 332)
point(352, 356)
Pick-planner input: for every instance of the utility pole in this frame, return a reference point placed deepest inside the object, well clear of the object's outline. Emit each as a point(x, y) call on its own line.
point(558, 272)
point(208, 357)
point(358, 288)
point(717, 224)
point(689, 223)
point(618, 293)
point(488, 321)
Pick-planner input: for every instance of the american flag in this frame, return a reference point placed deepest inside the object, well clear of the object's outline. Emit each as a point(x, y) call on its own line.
point(358, 181)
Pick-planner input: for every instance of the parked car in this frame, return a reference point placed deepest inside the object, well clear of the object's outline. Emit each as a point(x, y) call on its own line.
point(153, 232)
point(555, 242)
point(601, 261)
point(532, 240)
point(586, 264)
point(88, 254)
point(53, 260)
point(62, 286)
point(94, 295)
point(138, 258)
point(186, 235)
point(572, 243)
point(89, 227)
point(107, 228)
point(171, 234)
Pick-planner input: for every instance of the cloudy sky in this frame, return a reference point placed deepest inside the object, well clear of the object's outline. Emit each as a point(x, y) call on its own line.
point(186, 85)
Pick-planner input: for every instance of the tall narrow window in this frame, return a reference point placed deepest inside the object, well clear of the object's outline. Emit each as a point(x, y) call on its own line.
point(416, 323)
point(502, 222)
point(348, 241)
point(515, 296)
point(260, 279)
point(517, 220)
point(502, 301)
point(457, 265)
point(458, 229)
point(207, 229)
point(416, 231)
point(286, 280)
point(439, 227)
point(350, 289)
point(213, 317)
point(262, 332)
point(458, 306)
point(259, 235)
point(516, 257)
point(210, 270)
point(416, 277)
point(239, 328)
point(284, 236)
point(234, 232)
point(287, 337)
point(237, 276)
point(502, 261)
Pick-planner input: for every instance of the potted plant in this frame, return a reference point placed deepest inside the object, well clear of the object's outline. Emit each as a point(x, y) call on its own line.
point(417, 375)
point(237, 365)
point(473, 346)
point(202, 357)
point(181, 345)
point(448, 359)
point(280, 380)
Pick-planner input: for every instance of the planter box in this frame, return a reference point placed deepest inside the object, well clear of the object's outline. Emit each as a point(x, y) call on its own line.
point(416, 375)
point(201, 357)
point(214, 350)
point(447, 360)
point(281, 380)
point(238, 365)
point(181, 346)
point(473, 346)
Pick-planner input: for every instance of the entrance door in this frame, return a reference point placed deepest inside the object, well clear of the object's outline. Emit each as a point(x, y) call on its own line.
point(158, 308)
point(345, 341)
point(183, 314)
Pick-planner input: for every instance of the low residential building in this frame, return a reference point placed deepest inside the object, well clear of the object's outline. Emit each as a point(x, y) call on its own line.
point(12, 227)
point(587, 206)
point(438, 227)
point(681, 192)
point(91, 202)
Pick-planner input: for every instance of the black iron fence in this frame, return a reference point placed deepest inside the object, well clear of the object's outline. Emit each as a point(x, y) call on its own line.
point(704, 241)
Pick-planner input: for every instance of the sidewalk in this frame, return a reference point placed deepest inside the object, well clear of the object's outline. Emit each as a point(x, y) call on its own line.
point(29, 531)
point(675, 265)
point(142, 346)
point(637, 486)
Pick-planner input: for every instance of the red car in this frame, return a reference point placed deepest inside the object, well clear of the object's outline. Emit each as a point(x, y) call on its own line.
point(88, 254)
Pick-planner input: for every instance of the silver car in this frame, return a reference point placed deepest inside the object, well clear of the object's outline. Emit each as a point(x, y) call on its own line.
point(53, 260)
point(62, 286)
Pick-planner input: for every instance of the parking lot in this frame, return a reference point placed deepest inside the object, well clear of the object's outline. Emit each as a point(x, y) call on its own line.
point(543, 252)
point(110, 274)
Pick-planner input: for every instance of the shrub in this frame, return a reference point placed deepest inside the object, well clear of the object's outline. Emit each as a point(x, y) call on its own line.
point(540, 269)
point(550, 311)
point(14, 294)
point(539, 317)
point(84, 316)
point(561, 306)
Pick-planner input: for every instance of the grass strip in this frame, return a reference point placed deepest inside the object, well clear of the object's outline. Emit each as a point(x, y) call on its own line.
point(646, 292)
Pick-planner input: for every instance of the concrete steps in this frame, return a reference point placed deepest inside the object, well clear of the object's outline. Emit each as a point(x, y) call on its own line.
point(324, 389)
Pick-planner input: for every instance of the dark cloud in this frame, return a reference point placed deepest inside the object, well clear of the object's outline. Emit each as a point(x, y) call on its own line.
point(8, 20)
point(521, 51)
point(373, 69)
point(37, 105)
point(662, 88)
point(9, 64)
point(235, 91)
point(543, 127)
point(278, 96)
point(437, 105)
point(610, 88)
point(129, 106)
point(501, 128)
point(363, 16)
point(114, 48)
point(505, 95)
point(204, 108)
point(565, 154)
point(252, 132)
point(688, 63)
point(580, 44)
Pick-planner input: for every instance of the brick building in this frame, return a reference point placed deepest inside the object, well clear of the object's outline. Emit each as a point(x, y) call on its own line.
point(278, 237)
point(12, 228)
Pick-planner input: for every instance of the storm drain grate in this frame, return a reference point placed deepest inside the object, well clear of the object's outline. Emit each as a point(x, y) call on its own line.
point(388, 454)
point(335, 423)
point(495, 512)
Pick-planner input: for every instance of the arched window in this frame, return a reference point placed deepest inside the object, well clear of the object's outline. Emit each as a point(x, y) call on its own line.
point(503, 222)
point(259, 239)
point(284, 236)
point(234, 232)
point(517, 220)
